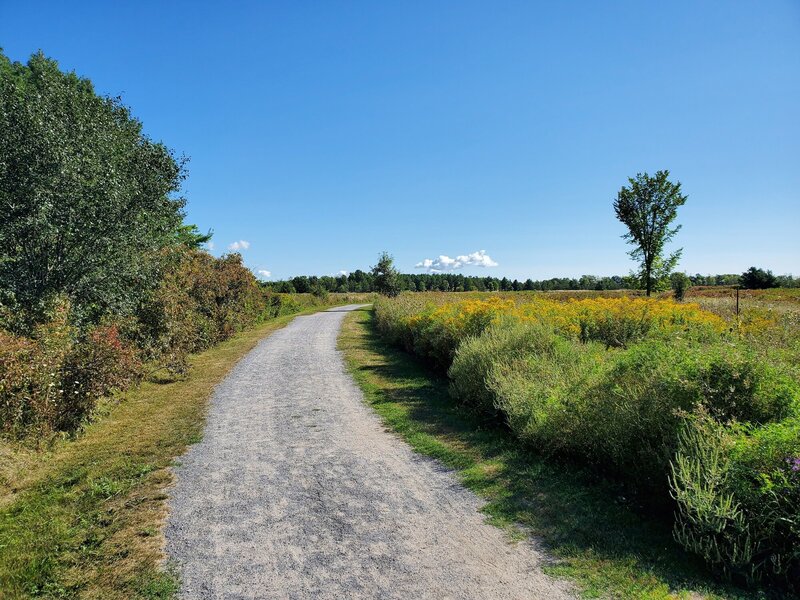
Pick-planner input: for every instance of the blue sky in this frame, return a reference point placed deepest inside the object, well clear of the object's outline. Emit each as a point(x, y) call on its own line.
point(324, 132)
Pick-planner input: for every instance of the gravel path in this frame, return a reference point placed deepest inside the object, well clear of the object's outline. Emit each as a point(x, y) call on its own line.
point(297, 491)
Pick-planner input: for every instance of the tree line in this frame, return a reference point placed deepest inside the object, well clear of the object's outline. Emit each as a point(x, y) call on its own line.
point(364, 281)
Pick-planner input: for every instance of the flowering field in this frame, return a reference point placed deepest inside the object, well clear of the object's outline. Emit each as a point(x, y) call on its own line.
point(695, 408)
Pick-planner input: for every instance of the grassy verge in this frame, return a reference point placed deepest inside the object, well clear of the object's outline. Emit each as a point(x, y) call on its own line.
point(84, 519)
point(599, 541)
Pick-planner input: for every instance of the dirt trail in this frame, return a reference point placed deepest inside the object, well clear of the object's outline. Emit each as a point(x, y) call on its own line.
point(297, 491)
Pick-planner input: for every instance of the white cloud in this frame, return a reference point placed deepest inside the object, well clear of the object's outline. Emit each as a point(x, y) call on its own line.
point(240, 245)
point(343, 273)
point(445, 263)
point(210, 245)
point(264, 273)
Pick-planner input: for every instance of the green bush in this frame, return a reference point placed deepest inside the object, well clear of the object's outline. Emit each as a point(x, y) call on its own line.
point(628, 421)
point(765, 479)
point(391, 320)
point(710, 522)
point(199, 301)
point(680, 284)
point(524, 370)
point(620, 410)
point(738, 496)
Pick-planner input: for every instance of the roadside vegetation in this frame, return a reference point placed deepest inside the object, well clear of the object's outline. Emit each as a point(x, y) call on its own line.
point(695, 413)
point(591, 525)
point(115, 325)
point(82, 516)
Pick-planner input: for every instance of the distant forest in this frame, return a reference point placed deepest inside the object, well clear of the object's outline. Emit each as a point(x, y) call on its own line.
point(363, 281)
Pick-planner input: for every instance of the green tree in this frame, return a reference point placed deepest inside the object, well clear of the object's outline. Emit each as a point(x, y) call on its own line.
point(385, 279)
point(680, 283)
point(86, 198)
point(758, 279)
point(190, 236)
point(648, 207)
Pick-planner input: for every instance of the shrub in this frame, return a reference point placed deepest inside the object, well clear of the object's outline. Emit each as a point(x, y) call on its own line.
point(738, 496)
point(628, 421)
point(710, 522)
point(52, 382)
point(525, 371)
point(95, 366)
point(680, 284)
point(200, 301)
point(22, 383)
point(437, 333)
point(478, 357)
point(765, 479)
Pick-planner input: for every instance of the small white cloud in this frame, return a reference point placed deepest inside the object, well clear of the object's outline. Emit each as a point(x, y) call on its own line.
point(343, 273)
point(264, 273)
point(240, 245)
point(444, 263)
point(210, 245)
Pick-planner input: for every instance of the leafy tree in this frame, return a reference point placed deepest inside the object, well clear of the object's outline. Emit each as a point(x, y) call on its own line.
point(87, 199)
point(385, 276)
point(300, 284)
point(648, 207)
point(758, 279)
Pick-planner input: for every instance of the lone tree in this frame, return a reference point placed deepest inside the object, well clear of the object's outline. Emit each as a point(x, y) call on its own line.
point(648, 207)
point(385, 276)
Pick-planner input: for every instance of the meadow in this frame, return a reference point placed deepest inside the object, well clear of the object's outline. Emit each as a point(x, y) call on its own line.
point(692, 407)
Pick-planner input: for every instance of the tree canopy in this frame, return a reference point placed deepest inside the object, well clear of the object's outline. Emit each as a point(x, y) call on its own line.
point(758, 279)
point(86, 197)
point(648, 207)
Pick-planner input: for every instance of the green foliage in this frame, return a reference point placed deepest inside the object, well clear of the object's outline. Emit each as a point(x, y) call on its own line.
point(765, 479)
point(680, 283)
point(629, 410)
point(627, 421)
point(522, 370)
point(190, 236)
point(738, 495)
point(385, 276)
point(647, 208)
point(87, 198)
point(320, 292)
point(710, 522)
point(200, 301)
point(758, 279)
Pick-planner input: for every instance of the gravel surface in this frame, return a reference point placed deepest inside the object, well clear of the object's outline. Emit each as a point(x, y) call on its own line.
point(297, 491)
